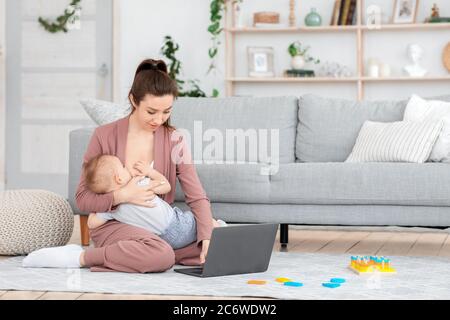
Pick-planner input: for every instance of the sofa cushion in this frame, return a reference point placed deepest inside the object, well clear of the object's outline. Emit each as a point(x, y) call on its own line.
point(362, 183)
point(419, 109)
point(400, 141)
point(328, 128)
point(249, 114)
point(104, 112)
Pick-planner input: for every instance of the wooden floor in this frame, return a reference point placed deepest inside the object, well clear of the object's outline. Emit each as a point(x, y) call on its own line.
point(403, 243)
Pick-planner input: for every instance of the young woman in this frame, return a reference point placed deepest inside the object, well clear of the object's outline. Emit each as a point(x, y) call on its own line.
point(145, 135)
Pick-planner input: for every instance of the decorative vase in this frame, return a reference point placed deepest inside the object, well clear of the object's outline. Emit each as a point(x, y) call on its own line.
point(313, 19)
point(298, 62)
point(385, 70)
point(373, 68)
point(239, 19)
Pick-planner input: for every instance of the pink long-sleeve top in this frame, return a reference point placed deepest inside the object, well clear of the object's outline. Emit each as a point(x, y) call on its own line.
point(111, 139)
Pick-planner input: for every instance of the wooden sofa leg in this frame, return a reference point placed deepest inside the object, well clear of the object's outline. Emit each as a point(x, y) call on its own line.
point(84, 231)
point(284, 235)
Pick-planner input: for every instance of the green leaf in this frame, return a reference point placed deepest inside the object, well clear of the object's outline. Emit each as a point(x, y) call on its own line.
point(213, 52)
point(214, 7)
point(214, 27)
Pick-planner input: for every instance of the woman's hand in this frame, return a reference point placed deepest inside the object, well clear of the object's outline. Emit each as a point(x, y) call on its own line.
point(204, 253)
point(134, 194)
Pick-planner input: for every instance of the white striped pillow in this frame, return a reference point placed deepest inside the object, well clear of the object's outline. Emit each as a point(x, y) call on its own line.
point(402, 141)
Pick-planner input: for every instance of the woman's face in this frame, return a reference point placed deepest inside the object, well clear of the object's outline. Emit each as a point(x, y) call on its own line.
point(152, 112)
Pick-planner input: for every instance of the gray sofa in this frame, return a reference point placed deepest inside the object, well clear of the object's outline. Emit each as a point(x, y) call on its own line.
point(312, 185)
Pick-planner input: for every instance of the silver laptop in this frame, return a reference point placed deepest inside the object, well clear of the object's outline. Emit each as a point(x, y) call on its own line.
point(237, 250)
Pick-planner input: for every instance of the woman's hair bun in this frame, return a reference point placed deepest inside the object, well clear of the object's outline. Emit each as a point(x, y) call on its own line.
point(150, 64)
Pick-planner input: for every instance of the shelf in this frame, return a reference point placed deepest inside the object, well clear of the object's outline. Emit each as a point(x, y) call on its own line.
point(384, 27)
point(294, 29)
point(295, 80)
point(348, 79)
point(435, 78)
point(404, 27)
point(361, 33)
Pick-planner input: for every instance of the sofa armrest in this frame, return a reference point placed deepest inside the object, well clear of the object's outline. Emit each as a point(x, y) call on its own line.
point(78, 142)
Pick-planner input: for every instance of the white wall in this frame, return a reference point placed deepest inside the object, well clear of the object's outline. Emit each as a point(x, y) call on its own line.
point(47, 75)
point(2, 95)
point(144, 23)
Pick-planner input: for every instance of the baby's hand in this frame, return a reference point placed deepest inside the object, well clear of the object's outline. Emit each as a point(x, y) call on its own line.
point(142, 168)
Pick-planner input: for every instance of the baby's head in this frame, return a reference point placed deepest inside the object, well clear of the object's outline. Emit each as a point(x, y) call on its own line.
point(105, 174)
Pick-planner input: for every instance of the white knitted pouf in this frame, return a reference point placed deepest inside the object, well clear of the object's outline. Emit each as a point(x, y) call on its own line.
point(33, 219)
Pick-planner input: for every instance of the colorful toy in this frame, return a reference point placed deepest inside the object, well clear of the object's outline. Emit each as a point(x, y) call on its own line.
point(282, 280)
point(334, 283)
point(337, 280)
point(259, 282)
point(293, 284)
point(331, 285)
point(371, 264)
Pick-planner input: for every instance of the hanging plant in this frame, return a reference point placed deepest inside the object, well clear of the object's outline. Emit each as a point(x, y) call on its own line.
point(217, 8)
point(61, 23)
point(169, 50)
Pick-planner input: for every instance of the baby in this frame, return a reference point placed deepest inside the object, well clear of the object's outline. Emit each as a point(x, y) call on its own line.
point(106, 174)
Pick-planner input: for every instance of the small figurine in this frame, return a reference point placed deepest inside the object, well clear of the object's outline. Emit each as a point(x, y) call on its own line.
point(292, 13)
point(435, 11)
point(415, 54)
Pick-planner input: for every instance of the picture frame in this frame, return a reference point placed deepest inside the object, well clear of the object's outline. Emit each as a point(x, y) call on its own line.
point(260, 61)
point(405, 11)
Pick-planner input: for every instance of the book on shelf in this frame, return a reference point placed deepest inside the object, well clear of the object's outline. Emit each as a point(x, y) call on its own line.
point(335, 14)
point(344, 13)
point(351, 13)
point(341, 10)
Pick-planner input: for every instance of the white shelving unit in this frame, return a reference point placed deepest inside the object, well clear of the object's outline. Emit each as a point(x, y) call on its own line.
point(361, 31)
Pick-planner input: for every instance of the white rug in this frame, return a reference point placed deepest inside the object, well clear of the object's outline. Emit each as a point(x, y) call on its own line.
point(417, 278)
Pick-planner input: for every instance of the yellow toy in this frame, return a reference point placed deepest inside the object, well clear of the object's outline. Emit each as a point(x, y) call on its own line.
point(371, 264)
point(260, 282)
point(282, 280)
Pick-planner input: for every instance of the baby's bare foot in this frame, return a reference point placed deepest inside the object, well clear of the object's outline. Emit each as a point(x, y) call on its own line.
point(219, 223)
point(94, 222)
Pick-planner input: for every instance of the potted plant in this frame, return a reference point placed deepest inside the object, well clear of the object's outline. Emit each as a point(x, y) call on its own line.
point(299, 55)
